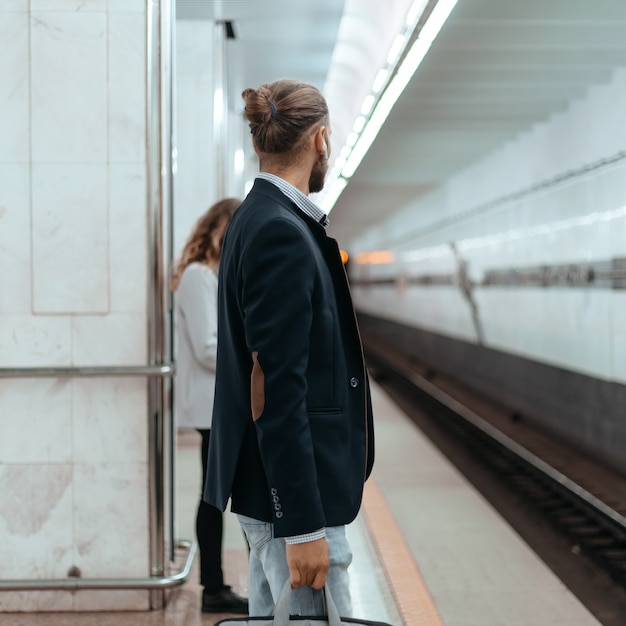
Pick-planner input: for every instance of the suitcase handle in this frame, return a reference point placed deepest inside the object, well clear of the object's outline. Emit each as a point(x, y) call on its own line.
point(283, 606)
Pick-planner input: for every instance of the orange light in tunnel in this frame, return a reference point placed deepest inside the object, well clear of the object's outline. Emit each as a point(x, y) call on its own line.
point(375, 257)
point(344, 256)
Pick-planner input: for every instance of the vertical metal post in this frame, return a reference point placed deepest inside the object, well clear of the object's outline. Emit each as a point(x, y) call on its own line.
point(168, 156)
point(160, 23)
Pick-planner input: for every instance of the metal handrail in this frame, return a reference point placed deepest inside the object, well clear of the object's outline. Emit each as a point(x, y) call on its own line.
point(75, 584)
point(160, 371)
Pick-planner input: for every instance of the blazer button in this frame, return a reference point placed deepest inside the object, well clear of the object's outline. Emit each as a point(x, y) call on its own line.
point(354, 382)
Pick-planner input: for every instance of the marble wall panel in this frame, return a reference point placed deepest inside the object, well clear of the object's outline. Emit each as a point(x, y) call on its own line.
point(616, 238)
point(127, 5)
point(36, 424)
point(35, 341)
point(70, 238)
point(8, 6)
point(127, 95)
point(68, 6)
point(116, 339)
point(563, 327)
point(36, 533)
point(597, 196)
point(69, 87)
point(111, 519)
point(128, 240)
point(614, 189)
point(14, 88)
point(132, 600)
point(604, 138)
point(36, 520)
point(618, 344)
point(36, 601)
point(73, 453)
point(15, 239)
point(109, 416)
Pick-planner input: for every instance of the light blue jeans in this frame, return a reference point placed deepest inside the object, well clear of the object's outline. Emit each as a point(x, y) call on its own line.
point(269, 572)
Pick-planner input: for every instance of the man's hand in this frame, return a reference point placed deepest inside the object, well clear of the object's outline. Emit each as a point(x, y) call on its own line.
point(308, 563)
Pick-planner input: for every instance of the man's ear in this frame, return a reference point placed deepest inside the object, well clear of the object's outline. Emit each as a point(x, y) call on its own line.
point(321, 144)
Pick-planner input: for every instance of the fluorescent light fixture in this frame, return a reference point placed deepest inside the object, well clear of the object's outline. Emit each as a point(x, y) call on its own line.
point(379, 82)
point(541, 229)
point(332, 190)
point(359, 123)
point(396, 49)
point(411, 62)
point(405, 72)
point(437, 19)
point(506, 237)
point(360, 149)
point(340, 161)
point(415, 12)
point(368, 104)
point(351, 139)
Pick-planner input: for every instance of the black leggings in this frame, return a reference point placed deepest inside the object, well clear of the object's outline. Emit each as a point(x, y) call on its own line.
point(209, 529)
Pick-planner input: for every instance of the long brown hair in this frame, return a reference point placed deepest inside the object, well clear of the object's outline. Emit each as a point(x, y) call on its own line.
point(202, 246)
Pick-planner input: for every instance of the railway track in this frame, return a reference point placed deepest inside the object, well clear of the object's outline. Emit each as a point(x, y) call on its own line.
point(583, 500)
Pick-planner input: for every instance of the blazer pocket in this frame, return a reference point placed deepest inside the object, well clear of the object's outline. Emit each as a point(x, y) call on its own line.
point(325, 412)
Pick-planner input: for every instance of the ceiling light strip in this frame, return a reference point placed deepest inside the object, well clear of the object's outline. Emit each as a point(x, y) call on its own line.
point(401, 79)
point(383, 98)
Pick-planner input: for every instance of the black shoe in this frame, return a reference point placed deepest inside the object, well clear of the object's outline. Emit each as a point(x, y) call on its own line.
point(224, 601)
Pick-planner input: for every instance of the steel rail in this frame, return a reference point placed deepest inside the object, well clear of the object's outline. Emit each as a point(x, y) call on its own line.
point(512, 446)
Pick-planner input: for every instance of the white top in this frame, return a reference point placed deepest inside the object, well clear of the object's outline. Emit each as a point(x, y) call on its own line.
point(196, 333)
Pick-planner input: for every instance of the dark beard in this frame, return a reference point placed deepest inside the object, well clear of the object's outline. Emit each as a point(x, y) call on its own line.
point(318, 174)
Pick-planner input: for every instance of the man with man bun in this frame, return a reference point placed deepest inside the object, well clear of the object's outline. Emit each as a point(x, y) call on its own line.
point(292, 439)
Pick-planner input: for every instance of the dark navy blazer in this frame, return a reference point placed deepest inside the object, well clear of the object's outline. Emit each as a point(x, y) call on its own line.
point(292, 437)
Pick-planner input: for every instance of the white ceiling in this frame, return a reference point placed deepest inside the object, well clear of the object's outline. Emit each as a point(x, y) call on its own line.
point(497, 68)
point(273, 38)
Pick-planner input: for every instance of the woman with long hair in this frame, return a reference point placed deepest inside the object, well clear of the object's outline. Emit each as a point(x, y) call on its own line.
point(195, 285)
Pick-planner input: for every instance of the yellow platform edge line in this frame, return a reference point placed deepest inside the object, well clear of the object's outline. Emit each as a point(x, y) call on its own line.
point(414, 602)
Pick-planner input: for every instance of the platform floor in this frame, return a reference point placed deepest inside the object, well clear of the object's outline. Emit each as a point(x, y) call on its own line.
point(428, 549)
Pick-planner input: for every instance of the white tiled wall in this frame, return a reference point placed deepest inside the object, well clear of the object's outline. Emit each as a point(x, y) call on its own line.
point(14, 88)
point(126, 94)
point(583, 219)
point(30, 407)
point(15, 227)
point(127, 238)
point(69, 237)
point(73, 255)
point(68, 65)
